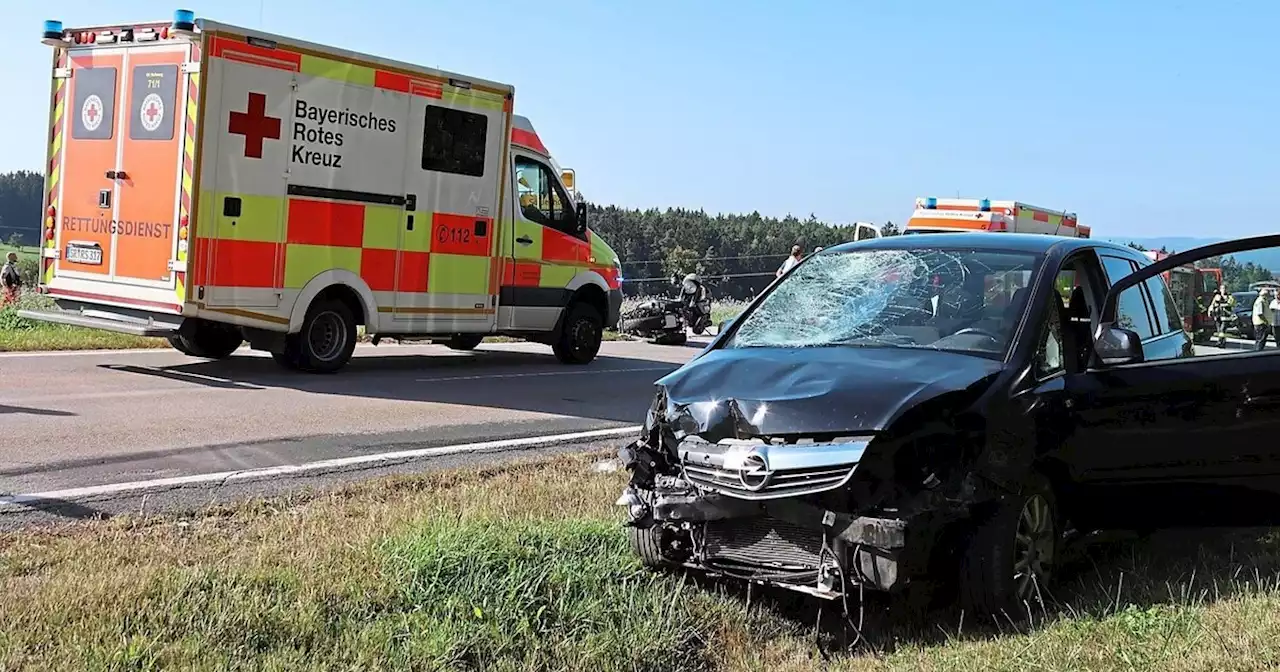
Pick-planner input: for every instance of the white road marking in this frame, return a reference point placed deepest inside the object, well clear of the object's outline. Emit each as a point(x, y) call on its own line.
point(17, 502)
point(581, 372)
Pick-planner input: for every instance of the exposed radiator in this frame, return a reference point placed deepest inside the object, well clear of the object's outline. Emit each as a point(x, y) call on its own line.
point(763, 542)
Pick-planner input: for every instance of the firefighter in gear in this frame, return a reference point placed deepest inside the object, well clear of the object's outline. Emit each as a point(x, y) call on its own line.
point(1222, 310)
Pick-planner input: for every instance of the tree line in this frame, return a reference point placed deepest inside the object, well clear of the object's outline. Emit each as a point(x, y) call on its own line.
point(737, 254)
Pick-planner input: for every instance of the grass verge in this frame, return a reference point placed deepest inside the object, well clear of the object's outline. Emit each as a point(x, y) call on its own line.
point(525, 567)
point(18, 334)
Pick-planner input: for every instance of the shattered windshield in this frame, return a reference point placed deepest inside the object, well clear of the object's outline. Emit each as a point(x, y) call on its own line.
point(960, 300)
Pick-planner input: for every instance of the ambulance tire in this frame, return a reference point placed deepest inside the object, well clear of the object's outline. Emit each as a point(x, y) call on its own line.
point(463, 342)
point(209, 341)
point(325, 343)
point(580, 335)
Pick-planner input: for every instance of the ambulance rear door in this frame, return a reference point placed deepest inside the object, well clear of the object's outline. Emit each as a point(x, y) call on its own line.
point(121, 165)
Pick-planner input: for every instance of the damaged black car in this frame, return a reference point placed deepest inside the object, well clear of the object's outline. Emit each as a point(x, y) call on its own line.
point(899, 409)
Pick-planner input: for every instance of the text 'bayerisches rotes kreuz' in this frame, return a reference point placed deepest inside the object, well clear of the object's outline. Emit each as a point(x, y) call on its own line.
point(317, 132)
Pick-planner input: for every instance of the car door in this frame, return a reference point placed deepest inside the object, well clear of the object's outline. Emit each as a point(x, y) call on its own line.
point(1173, 433)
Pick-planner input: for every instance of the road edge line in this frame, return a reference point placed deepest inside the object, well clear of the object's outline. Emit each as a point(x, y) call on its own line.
point(10, 503)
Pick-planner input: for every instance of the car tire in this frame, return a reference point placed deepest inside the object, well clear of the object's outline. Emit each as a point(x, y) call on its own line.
point(208, 340)
point(326, 341)
point(580, 336)
point(646, 544)
point(1020, 529)
point(463, 342)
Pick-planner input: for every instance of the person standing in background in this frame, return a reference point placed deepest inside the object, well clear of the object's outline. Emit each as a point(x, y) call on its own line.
point(796, 255)
point(1222, 310)
point(1263, 318)
point(11, 280)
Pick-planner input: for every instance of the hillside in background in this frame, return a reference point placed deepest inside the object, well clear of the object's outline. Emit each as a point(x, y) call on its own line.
point(736, 253)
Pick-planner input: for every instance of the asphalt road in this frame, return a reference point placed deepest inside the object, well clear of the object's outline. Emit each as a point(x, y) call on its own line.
point(88, 420)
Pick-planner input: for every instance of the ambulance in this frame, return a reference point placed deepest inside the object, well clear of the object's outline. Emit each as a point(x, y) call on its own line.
point(217, 185)
point(933, 215)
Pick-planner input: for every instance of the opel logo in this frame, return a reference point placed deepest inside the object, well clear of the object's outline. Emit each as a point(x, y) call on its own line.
point(754, 474)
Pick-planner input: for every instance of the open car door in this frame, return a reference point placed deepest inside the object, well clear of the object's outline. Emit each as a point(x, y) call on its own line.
point(1168, 432)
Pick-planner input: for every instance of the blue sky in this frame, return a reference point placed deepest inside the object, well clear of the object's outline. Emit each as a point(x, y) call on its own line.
point(1146, 118)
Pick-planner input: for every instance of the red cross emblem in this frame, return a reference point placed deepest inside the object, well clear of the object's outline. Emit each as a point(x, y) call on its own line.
point(255, 125)
point(152, 111)
point(91, 112)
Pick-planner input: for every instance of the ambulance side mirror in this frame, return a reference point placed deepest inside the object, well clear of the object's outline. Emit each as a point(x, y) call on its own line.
point(580, 221)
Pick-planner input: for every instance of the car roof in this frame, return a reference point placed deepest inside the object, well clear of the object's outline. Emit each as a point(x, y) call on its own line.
point(1016, 242)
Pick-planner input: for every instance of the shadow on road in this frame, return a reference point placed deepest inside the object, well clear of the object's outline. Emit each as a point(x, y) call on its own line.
point(26, 410)
point(611, 388)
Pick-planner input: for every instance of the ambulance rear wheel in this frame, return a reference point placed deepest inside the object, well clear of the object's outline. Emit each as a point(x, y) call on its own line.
point(325, 343)
point(208, 340)
point(580, 335)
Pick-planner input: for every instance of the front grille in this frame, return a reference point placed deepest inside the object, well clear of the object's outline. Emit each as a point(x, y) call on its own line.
point(762, 542)
point(781, 483)
point(755, 470)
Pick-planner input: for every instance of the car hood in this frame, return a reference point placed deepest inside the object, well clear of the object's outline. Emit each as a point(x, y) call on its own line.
point(748, 392)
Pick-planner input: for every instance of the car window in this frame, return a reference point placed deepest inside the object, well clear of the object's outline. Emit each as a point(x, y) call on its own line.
point(956, 300)
point(1168, 312)
point(1131, 311)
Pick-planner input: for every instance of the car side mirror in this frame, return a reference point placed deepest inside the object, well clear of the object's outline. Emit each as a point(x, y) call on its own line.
point(580, 222)
point(1115, 346)
point(724, 325)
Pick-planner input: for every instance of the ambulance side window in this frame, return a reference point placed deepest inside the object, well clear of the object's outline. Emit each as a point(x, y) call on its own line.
point(541, 199)
point(453, 141)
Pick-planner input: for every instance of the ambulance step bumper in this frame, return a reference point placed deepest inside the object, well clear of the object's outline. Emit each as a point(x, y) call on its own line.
point(102, 320)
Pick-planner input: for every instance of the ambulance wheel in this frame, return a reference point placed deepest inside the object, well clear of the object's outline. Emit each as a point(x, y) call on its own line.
point(326, 341)
point(580, 335)
point(463, 341)
point(208, 340)
point(179, 345)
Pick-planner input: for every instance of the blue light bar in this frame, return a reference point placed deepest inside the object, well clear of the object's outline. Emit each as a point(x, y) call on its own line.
point(52, 30)
point(930, 203)
point(984, 205)
point(184, 19)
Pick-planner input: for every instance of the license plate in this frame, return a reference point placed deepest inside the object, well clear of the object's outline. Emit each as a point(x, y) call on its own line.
point(671, 321)
point(84, 254)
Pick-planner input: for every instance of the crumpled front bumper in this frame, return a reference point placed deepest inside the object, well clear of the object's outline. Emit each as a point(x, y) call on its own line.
point(777, 538)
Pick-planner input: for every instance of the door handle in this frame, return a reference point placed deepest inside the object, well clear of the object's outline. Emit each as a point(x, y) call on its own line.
point(524, 240)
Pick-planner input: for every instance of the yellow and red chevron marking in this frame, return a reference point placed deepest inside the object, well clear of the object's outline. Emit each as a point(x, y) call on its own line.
point(188, 174)
point(54, 168)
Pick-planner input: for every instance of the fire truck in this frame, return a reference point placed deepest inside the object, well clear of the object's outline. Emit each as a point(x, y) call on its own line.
point(936, 215)
point(1192, 289)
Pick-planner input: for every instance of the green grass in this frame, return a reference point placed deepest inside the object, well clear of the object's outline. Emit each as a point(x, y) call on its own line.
point(24, 251)
point(526, 568)
point(19, 334)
